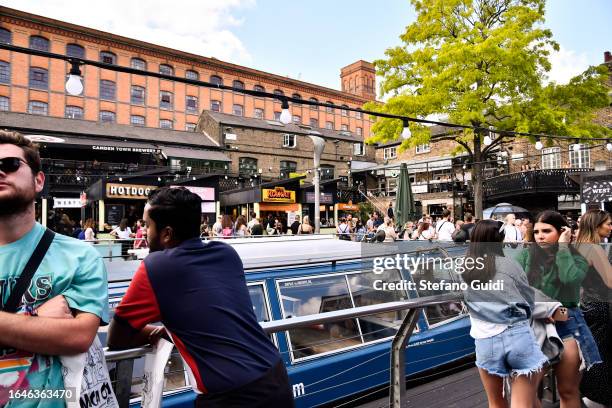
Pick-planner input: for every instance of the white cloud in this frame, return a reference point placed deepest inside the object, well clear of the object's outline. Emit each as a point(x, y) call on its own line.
point(566, 64)
point(201, 27)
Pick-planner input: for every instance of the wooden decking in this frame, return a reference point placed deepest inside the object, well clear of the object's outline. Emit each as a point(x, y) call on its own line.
point(461, 389)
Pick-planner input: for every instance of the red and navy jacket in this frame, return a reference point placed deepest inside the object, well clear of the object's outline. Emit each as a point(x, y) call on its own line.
point(198, 291)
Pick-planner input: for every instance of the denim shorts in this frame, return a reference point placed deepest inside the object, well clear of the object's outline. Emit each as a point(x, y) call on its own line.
point(510, 353)
point(576, 328)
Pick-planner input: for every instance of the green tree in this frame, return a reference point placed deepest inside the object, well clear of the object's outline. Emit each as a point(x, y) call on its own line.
point(482, 63)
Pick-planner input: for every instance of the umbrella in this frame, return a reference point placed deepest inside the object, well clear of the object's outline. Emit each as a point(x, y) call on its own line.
point(404, 203)
point(503, 209)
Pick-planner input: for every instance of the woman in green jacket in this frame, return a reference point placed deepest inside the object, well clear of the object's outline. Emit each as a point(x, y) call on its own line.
point(556, 269)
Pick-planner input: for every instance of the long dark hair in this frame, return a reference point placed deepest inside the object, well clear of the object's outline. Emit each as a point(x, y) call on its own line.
point(540, 259)
point(486, 242)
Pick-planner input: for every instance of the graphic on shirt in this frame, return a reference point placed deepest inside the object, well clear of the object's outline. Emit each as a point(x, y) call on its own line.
point(39, 290)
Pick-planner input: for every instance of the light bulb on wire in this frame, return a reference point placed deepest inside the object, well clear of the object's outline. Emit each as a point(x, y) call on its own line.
point(609, 146)
point(487, 140)
point(285, 116)
point(538, 144)
point(576, 147)
point(406, 133)
point(74, 84)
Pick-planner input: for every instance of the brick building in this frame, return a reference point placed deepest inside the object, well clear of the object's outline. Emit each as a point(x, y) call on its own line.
point(33, 84)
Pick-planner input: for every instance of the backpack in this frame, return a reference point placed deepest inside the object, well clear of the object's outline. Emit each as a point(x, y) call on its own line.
point(81, 235)
point(459, 235)
point(227, 233)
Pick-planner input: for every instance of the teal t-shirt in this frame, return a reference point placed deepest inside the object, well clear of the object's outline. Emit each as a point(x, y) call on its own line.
point(71, 268)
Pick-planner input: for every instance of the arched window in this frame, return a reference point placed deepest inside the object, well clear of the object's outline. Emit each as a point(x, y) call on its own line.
point(137, 95)
point(191, 74)
point(296, 96)
point(278, 92)
point(137, 120)
point(107, 116)
point(166, 124)
point(238, 84)
point(215, 106)
point(191, 104)
point(108, 90)
point(166, 69)
point(259, 88)
point(75, 50)
point(138, 63)
point(5, 103)
point(247, 166)
point(166, 100)
point(329, 109)
point(39, 43)
point(5, 36)
point(344, 111)
point(238, 110)
point(314, 107)
point(38, 108)
point(73, 112)
point(216, 80)
point(108, 57)
point(39, 78)
point(287, 167)
point(5, 72)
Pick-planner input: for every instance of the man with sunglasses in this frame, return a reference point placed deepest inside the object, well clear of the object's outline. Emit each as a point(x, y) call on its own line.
point(66, 298)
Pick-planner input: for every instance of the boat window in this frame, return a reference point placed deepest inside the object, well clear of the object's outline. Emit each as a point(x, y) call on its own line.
point(435, 272)
point(302, 297)
point(362, 288)
point(260, 306)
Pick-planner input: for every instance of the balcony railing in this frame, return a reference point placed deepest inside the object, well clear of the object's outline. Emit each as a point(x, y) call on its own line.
point(531, 182)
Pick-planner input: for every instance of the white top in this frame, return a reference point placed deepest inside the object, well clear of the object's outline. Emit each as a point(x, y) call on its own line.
point(445, 230)
point(89, 234)
point(512, 234)
point(483, 330)
point(125, 234)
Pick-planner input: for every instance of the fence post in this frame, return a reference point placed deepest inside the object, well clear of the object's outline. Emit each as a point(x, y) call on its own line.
point(398, 359)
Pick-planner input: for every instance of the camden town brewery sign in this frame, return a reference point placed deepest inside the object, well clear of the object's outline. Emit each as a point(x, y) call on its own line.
point(277, 195)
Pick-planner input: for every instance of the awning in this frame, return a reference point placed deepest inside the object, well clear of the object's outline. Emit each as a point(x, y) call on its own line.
point(200, 154)
point(97, 144)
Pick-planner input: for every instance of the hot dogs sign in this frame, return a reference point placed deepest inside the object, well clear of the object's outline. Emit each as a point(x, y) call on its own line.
point(277, 195)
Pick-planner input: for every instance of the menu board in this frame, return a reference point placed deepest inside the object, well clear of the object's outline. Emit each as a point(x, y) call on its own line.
point(114, 213)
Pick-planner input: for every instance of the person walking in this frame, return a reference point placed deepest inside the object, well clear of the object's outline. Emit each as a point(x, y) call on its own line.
point(506, 346)
point(557, 269)
point(305, 227)
point(390, 211)
point(231, 360)
point(595, 226)
point(67, 277)
point(512, 233)
point(445, 227)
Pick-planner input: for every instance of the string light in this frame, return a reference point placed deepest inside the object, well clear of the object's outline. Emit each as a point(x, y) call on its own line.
point(406, 134)
point(285, 116)
point(74, 84)
point(576, 146)
point(538, 144)
point(609, 146)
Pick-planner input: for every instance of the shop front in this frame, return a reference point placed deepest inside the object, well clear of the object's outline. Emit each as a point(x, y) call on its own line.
point(341, 210)
point(596, 190)
point(112, 201)
point(279, 203)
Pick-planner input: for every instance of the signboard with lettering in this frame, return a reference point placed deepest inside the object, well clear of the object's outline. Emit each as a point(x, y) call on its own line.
point(114, 214)
point(597, 191)
point(129, 191)
point(66, 202)
point(347, 206)
point(277, 195)
point(127, 149)
point(326, 198)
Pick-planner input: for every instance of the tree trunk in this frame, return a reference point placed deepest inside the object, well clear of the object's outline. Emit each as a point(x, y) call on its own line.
point(477, 177)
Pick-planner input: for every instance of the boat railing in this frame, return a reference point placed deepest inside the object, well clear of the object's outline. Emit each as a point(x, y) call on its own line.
point(124, 359)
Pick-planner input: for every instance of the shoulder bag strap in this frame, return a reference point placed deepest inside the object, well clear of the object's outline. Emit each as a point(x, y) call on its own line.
point(28, 272)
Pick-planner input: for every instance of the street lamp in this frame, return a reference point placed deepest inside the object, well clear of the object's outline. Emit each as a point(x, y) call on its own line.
point(319, 145)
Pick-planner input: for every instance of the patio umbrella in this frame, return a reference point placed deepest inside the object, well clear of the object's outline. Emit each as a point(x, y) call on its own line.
point(404, 203)
point(503, 209)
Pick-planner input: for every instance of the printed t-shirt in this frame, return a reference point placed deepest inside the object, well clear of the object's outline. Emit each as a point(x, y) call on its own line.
point(71, 268)
point(198, 291)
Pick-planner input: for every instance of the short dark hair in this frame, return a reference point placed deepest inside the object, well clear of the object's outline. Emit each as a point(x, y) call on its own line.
point(30, 150)
point(446, 213)
point(177, 208)
point(468, 217)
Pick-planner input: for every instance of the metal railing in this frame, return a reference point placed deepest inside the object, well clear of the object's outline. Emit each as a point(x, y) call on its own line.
point(533, 181)
point(124, 359)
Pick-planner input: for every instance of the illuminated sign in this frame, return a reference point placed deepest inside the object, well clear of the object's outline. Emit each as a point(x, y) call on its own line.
point(277, 195)
point(131, 191)
point(128, 149)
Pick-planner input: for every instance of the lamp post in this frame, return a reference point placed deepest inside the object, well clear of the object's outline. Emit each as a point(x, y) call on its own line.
point(319, 145)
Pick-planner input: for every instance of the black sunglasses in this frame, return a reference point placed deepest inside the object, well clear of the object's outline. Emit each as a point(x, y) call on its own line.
point(10, 164)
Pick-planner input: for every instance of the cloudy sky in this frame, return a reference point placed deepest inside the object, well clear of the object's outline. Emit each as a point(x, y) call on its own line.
point(308, 40)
